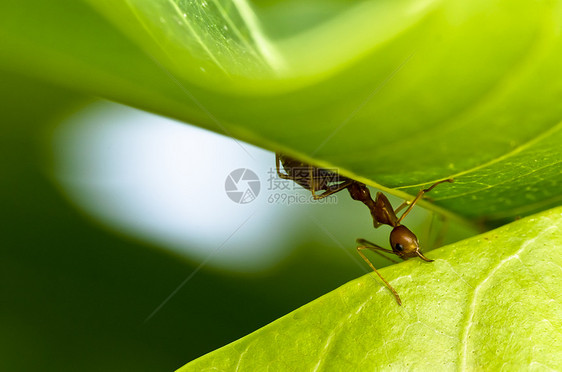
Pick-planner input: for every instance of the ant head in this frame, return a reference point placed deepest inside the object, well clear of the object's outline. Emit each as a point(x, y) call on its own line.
point(405, 244)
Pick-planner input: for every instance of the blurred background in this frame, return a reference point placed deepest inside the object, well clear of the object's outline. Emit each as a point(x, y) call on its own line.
point(121, 249)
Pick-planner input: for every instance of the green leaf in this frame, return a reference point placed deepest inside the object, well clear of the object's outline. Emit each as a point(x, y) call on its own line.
point(395, 93)
point(492, 302)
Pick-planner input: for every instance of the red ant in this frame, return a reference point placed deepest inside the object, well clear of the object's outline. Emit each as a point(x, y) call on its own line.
point(403, 242)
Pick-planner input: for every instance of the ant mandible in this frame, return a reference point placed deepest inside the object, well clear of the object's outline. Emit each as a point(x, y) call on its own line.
point(403, 242)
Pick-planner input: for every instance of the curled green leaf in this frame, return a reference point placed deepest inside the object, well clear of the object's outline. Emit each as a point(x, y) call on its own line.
point(491, 302)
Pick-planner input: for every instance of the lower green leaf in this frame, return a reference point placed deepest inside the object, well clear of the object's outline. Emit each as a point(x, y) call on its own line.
point(487, 303)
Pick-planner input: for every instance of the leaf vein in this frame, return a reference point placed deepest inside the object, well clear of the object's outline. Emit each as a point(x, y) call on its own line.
point(472, 308)
point(196, 36)
point(503, 157)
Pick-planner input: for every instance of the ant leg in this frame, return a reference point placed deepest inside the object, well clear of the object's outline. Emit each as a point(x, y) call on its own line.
point(375, 248)
point(328, 191)
point(337, 188)
point(312, 183)
point(312, 189)
point(377, 224)
point(402, 206)
point(277, 166)
point(420, 195)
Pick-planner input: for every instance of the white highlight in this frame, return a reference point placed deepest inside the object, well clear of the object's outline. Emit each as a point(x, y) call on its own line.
point(163, 182)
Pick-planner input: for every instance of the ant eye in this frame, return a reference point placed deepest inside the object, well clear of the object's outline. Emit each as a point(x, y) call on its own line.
point(399, 247)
